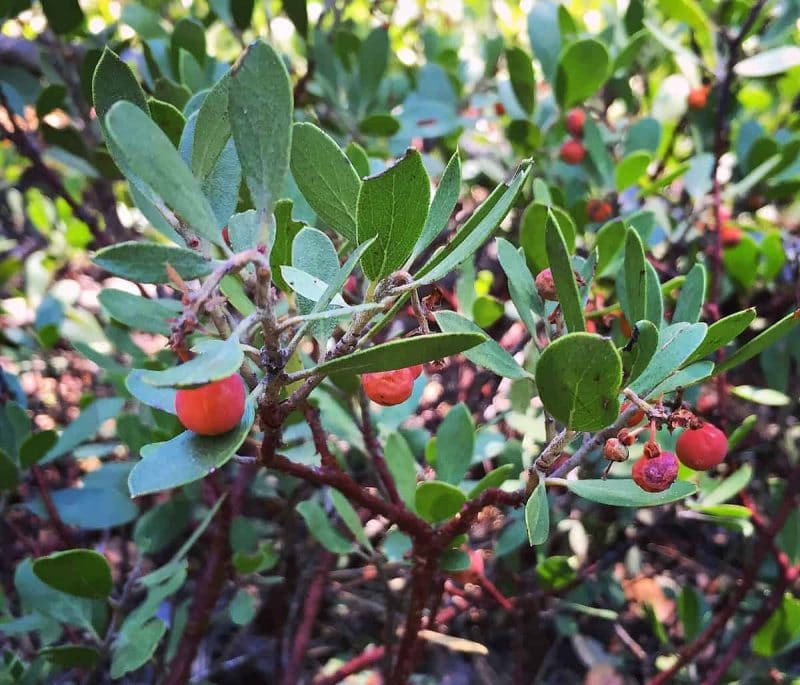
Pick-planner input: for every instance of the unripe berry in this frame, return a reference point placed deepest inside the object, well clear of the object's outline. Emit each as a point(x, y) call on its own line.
point(615, 450)
point(214, 408)
point(389, 387)
point(698, 97)
point(546, 285)
point(598, 210)
point(574, 122)
point(637, 416)
point(651, 450)
point(656, 474)
point(573, 152)
point(702, 448)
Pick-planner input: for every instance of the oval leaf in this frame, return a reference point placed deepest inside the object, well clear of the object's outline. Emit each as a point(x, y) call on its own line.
point(78, 572)
point(624, 492)
point(437, 501)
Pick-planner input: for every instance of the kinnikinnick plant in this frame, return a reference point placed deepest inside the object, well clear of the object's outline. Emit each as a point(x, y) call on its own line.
point(289, 339)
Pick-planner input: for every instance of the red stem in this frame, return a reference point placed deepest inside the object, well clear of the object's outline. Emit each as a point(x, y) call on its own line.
point(369, 657)
point(311, 606)
point(41, 483)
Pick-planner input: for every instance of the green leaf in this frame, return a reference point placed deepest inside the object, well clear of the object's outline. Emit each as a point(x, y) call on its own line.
point(160, 167)
point(781, 630)
point(350, 518)
point(393, 207)
point(742, 431)
point(532, 236)
point(476, 230)
point(90, 508)
point(537, 515)
point(561, 265)
point(186, 458)
point(146, 262)
point(297, 12)
point(693, 612)
point(684, 378)
point(635, 278)
point(160, 398)
point(379, 125)
point(159, 527)
point(134, 311)
point(242, 608)
point(212, 130)
point(63, 16)
point(215, 360)
point(690, 302)
point(582, 69)
point(308, 286)
point(523, 82)
point(625, 493)
point(728, 487)
point(85, 426)
point(134, 648)
point(636, 360)
point(580, 395)
point(769, 63)
point(545, 36)
point(314, 253)
point(494, 479)
point(260, 105)
point(690, 13)
point(326, 178)
point(489, 354)
point(9, 474)
point(35, 446)
point(610, 239)
point(358, 158)
point(78, 572)
point(437, 501)
point(373, 57)
point(675, 344)
point(402, 466)
point(766, 396)
point(71, 656)
point(761, 342)
point(168, 118)
point(599, 155)
point(721, 332)
point(631, 169)
point(442, 205)
point(455, 444)
point(520, 284)
point(398, 354)
point(322, 529)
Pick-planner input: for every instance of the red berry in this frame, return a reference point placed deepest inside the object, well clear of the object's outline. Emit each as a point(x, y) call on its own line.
point(573, 152)
point(389, 387)
point(615, 450)
point(637, 416)
point(416, 370)
point(702, 448)
point(214, 408)
point(698, 97)
point(656, 474)
point(546, 285)
point(731, 235)
point(574, 122)
point(598, 210)
point(499, 109)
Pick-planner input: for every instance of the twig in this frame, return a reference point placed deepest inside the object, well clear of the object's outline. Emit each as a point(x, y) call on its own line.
point(313, 600)
point(369, 657)
point(374, 449)
point(55, 518)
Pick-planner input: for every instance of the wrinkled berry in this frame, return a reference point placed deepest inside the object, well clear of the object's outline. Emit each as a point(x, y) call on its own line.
point(615, 450)
point(546, 285)
point(656, 474)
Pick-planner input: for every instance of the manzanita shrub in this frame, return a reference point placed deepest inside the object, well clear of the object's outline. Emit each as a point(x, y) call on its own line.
point(307, 266)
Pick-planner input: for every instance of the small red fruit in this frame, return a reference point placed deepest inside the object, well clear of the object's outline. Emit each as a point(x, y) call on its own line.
point(702, 448)
point(656, 474)
point(416, 370)
point(574, 122)
point(598, 210)
point(214, 408)
point(573, 152)
point(499, 109)
point(731, 235)
point(389, 387)
point(698, 97)
point(637, 416)
point(546, 285)
point(615, 450)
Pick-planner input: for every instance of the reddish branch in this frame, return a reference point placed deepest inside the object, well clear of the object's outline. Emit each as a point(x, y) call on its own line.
point(748, 579)
point(44, 490)
point(369, 657)
point(375, 451)
point(313, 601)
